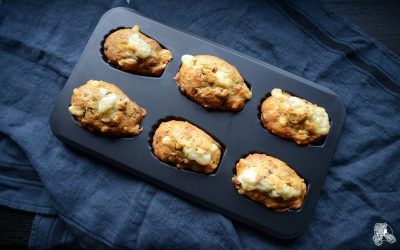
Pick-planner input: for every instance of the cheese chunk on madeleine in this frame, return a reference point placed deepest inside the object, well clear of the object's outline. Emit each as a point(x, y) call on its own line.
point(212, 82)
point(294, 118)
point(186, 146)
point(269, 181)
point(132, 51)
point(103, 108)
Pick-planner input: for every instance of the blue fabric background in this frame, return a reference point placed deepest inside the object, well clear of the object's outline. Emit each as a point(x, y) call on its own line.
point(82, 202)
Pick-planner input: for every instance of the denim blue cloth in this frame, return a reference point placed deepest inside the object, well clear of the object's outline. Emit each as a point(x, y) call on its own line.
point(82, 202)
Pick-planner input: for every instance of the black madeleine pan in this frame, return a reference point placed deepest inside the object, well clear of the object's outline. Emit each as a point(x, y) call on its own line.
point(239, 133)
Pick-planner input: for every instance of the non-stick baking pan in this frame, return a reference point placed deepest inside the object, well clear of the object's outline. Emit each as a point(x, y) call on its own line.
point(240, 133)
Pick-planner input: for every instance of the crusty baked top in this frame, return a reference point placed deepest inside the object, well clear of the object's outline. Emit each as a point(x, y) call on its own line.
point(269, 176)
point(186, 146)
point(212, 82)
point(132, 51)
point(294, 118)
point(102, 107)
point(269, 181)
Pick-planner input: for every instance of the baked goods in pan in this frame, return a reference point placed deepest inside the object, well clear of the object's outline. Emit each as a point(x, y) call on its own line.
point(212, 82)
point(294, 118)
point(186, 146)
point(269, 181)
point(102, 107)
point(132, 51)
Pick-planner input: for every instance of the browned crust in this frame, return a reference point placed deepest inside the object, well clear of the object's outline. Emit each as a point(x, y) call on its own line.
point(119, 53)
point(123, 122)
point(199, 84)
point(272, 164)
point(172, 153)
point(296, 129)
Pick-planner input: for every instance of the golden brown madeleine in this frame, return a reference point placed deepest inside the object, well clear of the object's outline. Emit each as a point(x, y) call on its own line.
point(134, 52)
point(102, 107)
point(186, 146)
point(293, 118)
point(269, 181)
point(212, 82)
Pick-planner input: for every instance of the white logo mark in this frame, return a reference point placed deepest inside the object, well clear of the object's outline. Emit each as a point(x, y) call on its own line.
point(383, 232)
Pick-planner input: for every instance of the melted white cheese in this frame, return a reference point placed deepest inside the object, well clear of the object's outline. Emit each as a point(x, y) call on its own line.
point(201, 156)
point(76, 110)
point(103, 91)
point(142, 49)
point(166, 140)
point(106, 103)
point(318, 115)
point(297, 102)
point(249, 180)
point(223, 79)
point(278, 93)
point(187, 59)
point(214, 148)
